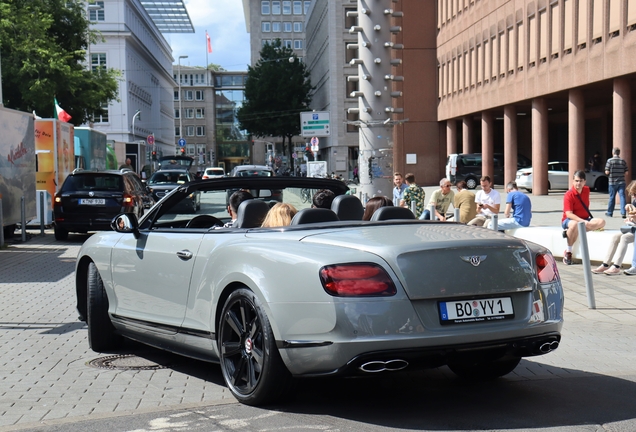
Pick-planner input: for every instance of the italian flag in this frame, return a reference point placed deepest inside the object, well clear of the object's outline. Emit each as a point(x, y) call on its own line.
point(61, 114)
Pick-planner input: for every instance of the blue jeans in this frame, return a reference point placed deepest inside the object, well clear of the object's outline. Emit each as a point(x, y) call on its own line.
point(613, 189)
point(426, 215)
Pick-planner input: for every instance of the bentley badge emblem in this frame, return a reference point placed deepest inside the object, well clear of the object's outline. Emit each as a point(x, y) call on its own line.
point(90, 194)
point(475, 260)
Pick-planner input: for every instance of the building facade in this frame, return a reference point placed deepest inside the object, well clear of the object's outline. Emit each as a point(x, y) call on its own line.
point(133, 43)
point(205, 118)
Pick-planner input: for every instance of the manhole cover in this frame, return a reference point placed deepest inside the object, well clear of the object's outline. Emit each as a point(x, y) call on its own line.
point(124, 362)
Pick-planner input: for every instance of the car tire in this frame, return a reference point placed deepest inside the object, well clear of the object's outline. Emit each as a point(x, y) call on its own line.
point(101, 332)
point(601, 184)
point(60, 233)
point(486, 370)
point(471, 182)
point(251, 364)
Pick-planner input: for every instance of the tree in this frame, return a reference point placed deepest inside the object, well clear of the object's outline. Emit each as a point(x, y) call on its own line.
point(277, 90)
point(43, 47)
point(216, 67)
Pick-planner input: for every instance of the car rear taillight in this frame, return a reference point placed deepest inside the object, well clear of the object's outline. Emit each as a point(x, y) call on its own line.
point(356, 280)
point(128, 200)
point(546, 268)
point(57, 201)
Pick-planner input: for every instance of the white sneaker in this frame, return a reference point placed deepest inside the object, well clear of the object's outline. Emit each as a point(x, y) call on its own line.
point(630, 271)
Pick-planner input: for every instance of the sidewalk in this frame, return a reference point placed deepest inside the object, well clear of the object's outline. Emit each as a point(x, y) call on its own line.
point(46, 378)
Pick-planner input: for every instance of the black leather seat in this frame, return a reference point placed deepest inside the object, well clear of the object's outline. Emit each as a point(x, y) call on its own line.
point(251, 214)
point(314, 215)
point(347, 207)
point(388, 213)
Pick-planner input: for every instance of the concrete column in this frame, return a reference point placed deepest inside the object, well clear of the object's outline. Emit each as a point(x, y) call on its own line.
point(622, 127)
point(487, 151)
point(467, 134)
point(510, 144)
point(576, 131)
point(451, 136)
point(539, 147)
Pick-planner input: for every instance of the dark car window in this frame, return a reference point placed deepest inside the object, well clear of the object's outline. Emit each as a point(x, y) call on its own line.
point(254, 173)
point(93, 182)
point(471, 160)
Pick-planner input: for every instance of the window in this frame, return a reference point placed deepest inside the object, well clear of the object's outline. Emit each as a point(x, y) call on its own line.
point(352, 117)
point(265, 7)
point(266, 26)
point(298, 44)
point(276, 26)
point(265, 42)
point(287, 43)
point(101, 116)
point(306, 5)
point(275, 7)
point(188, 95)
point(190, 150)
point(98, 62)
point(298, 27)
point(287, 27)
point(350, 21)
point(200, 130)
point(189, 113)
point(298, 8)
point(176, 131)
point(189, 130)
point(200, 113)
point(176, 95)
point(96, 11)
point(198, 95)
point(352, 85)
point(176, 113)
point(287, 7)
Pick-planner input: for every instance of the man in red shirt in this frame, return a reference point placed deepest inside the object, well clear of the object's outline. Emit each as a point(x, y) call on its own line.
point(576, 203)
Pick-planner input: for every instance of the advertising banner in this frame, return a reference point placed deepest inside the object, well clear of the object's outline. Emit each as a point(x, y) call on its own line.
point(54, 147)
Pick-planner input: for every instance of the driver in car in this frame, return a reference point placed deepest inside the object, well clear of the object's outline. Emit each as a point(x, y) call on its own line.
point(235, 201)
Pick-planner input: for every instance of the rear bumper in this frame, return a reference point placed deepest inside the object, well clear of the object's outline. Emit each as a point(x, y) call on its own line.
point(315, 361)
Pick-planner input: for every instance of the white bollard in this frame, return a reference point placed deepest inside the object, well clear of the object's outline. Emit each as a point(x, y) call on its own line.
point(456, 218)
point(495, 222)
point(431, 210)
point(1, 226)
point(414, 207)
point(587, 268)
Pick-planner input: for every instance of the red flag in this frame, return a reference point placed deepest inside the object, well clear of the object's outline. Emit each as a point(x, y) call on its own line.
point(207, 36)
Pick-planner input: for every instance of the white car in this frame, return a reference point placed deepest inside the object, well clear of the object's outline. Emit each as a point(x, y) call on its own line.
point(213, 173)
point(559, 178)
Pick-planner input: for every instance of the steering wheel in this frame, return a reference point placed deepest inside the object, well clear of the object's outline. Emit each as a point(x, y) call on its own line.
point(204, 221)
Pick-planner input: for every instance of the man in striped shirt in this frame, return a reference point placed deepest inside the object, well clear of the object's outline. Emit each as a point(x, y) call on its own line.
point(615, 168)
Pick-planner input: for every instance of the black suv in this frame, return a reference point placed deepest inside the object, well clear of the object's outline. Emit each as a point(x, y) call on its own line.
point(89, 200)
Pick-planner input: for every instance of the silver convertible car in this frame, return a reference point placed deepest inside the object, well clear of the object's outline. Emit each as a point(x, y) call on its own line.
point(328, 295)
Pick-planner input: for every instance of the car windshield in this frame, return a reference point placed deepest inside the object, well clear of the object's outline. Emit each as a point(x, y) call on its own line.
point(88, 182)
point(214, 202)
point(214, 171)
point(168, 178)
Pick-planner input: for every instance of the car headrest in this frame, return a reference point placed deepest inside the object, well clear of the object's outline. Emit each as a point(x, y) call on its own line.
point(251, 213)
point(388, 213)
point(313, 215)
point(347, 207)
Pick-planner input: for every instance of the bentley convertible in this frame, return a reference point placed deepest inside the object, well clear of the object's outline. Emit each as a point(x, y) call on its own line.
point(327, 295)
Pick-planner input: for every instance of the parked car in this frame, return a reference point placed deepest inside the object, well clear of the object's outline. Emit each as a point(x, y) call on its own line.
point(213, 172)
point(320, 297)
point(165, 180)
point(467, 167)
point(559, 178)
point(176, 162)
point(252, 171)
point(89, 200)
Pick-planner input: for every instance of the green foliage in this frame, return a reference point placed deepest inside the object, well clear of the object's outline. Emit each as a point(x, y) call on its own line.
point(277, 90)
point(43, 46)
point(215, 67)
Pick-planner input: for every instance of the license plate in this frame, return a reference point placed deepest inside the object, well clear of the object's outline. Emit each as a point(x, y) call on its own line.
point(478, 310)
point(92, 201)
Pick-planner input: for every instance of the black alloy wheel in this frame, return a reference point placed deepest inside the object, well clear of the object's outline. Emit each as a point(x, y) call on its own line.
point(251, 364)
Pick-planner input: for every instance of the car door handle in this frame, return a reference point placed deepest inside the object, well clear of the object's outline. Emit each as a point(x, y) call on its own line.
point(184, 255)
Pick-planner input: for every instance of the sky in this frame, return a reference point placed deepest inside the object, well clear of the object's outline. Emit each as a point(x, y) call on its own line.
point(225, 23)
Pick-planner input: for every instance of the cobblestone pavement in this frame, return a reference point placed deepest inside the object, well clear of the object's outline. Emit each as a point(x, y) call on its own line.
point(45, 377)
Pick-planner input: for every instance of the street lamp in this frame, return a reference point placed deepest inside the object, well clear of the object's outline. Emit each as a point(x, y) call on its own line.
point(137, 115)
point(180, 98)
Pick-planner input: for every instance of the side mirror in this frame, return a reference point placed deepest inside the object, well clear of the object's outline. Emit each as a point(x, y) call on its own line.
point(126, 223)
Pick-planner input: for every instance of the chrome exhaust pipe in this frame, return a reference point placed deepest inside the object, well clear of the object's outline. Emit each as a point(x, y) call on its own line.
point(549, 346)
point(382, 366)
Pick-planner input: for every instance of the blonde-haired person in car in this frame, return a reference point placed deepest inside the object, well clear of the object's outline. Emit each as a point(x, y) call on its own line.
point(279, 215)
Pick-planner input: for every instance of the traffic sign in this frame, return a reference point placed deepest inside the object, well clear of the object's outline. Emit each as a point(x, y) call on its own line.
point(314, 141)
point(182, 142)
point(314, 124)
point(151, 139)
